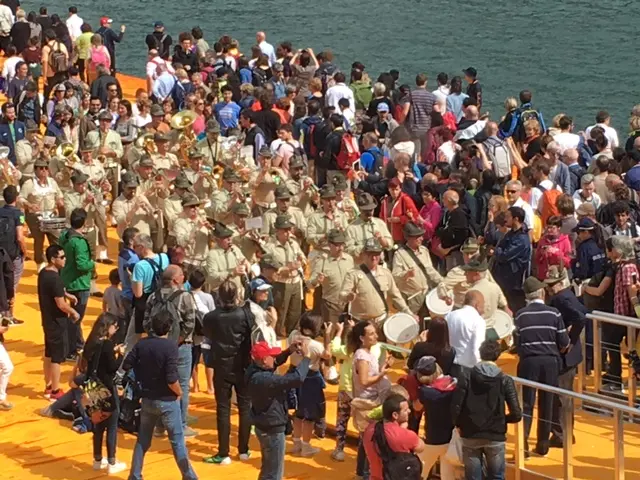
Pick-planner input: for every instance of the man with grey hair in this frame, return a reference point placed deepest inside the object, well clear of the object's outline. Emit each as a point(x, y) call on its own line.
point(570, 158)
point(470, 125)
point(171, 299)
point(587, 192)
point(559, 173)
point(513, 191)
point(540, 338)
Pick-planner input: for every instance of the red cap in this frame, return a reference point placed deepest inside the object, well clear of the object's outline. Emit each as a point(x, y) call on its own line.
point(105, 21)
point(260, 350)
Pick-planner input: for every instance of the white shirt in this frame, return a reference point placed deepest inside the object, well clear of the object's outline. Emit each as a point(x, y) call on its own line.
point(268, 50)
point(74, 22)
point(594, 200)
point(528, 212)
point(609, 132)
point(471, 131)
point(467, 331)
point(152, 67)
point(9, 68)
point(442, 93)
point(335, 93)
point(536, 193)
point(567, 140)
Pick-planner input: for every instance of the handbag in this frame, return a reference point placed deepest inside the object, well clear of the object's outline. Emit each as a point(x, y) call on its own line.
point(97, 399)
point(453, 454)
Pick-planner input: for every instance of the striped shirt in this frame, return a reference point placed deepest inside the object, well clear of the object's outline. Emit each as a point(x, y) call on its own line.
point(419, 116)
point(540, 330)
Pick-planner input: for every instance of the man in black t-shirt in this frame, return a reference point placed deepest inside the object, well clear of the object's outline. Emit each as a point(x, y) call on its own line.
point(474, 89)
point(55, 313)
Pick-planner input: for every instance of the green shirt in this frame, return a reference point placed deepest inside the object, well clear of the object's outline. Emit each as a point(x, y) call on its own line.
point(83, 45)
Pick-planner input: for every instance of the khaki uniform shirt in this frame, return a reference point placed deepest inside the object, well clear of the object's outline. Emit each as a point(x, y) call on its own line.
point(172, 209)
point(73, 200)
point(349, 208)
point(94, 170)
point(148, 189)
point(219, 209)
point(368, 305)
point(112, 141)
point(195, 241)
point(455, 285)
point(264, 188)
point(140, 220)
point(297, 218)
point(360, 231)
point(494, 299)
point(284, 255)
point(247, 246)
point(334, 271)
point(414, 289)
point(45, 197)
point(60, 173)
point(24, 157)
point(210, 150)
point(299, 198)
point(220, 266)
point(201, 185)
point(319, 225)
point(168, 161)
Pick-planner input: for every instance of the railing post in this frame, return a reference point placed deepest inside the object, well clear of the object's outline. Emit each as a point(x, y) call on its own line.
point(519, 444)
point(567, 433)
point(582, 367)
point(618, 444)
point(597, 356)
point(631, 381)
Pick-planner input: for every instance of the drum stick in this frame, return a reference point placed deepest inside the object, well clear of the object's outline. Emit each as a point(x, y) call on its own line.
point(414, 295)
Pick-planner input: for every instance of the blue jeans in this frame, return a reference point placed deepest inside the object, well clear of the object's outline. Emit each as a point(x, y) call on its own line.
point(110, 426)
point(362, 463)
point(184, 376)
point(169, 412)
point(76, 340)
point(272, 446)
point(472, 452)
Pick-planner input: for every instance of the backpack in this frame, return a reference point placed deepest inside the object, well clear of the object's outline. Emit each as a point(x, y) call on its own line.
point(130, 404)
point(297, 151)
point(162, 51)
point(349, 151)
point(99, 57)
point(549, 207)
point(499, 156)
point(525, 116)
point(58, 60)
point(310, 142)
point(395, 465)
point(167, 308)
point(8, 238)
point(378, 163)
point(258, 77)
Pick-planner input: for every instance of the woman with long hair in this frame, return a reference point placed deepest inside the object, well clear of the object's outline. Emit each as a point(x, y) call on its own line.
point(99, 356)
point(435, 343)
point(98, 55)
point(456, 98)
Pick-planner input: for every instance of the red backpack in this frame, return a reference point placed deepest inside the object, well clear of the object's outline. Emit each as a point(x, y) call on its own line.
point(349, 151)
point(549, 200)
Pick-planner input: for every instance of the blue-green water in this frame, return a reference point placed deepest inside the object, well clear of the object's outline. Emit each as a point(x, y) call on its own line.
point(576, 56)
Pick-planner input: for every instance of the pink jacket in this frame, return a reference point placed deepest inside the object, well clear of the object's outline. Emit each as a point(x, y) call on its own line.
point(552, 252)
point(430, 216)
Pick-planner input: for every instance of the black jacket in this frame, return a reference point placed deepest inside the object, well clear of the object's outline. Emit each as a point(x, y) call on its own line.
point(478, 403)
point(6, 280)
point(99, 88)
point(268, 393)
point(331, 150)
point(229, 330)
point(574, 315)
point(454, 228)
point(20, 34)
point(186, 59)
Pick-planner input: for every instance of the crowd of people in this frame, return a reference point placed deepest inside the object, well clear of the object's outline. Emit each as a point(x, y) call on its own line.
point(238, 183)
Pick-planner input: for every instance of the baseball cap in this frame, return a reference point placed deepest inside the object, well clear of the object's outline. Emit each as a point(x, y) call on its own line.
point(105, 20)
point(472, 72)
point(158, 24)
point(261, 350)
point(425, 365)
point(259, 284)
point(383, 107)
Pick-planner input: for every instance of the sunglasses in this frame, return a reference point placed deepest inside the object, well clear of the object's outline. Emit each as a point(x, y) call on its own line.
point(42, 168)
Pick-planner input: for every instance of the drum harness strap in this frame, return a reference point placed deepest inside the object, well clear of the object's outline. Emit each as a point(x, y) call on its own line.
point(417, 261)
point(376, 285)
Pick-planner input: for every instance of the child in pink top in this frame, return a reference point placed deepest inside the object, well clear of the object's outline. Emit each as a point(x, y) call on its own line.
point(554, 248)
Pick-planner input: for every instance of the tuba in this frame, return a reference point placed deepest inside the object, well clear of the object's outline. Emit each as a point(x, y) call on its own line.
point(67, 151)
point(145, 142)
point(5, 169)
point(183, 122)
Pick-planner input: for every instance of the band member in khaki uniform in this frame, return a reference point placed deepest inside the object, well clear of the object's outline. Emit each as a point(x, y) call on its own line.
point(210, 145)
point(476, 276)
point(163, 159)
point(325, 220)
point(28, 149)
point(154, 186)
point(304, 192)
point(82, 197)
point(367, 226)
point(9, 175)
point(202, 181)
point(131, 209)
point(226, 262)
point(358, 290)
point(173, 203)
point(248, 241)
point(454, 285)
point(193, 233)
point(264, 182)
point(283, 207)
point(110, 149)
point(413, 271)
point(223, 200)
point(329, 270)
point(287, 286)
point(40, 196)
point(343, 200)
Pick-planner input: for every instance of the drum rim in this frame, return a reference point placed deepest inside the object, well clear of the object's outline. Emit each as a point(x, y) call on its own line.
point(434, 292)
point(401, 315)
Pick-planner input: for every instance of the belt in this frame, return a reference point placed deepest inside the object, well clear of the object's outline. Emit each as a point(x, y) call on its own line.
point(377, 319)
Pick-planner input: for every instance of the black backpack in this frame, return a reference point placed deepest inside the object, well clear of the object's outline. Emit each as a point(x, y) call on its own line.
point(8, 238)
point(395, 465)
point(258, 77)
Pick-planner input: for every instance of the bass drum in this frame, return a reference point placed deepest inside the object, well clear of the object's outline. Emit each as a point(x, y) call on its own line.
point(401, 328)
point(436, 306)
point(502, 324)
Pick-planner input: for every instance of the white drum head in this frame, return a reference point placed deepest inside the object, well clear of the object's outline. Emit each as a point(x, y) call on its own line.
point(502, 324)
point(401, 328)
point(437, 307)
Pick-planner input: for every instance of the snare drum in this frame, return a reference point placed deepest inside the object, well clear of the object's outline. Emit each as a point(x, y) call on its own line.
point(436, 306)
point(502, 324)
point(52, 225)
point(401, 328)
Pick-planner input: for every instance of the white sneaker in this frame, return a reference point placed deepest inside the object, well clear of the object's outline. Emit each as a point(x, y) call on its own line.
point(333, 374)
point(308, 450)
point(225, 461)
point(245, 456)
point(101, 465)
point(116, 468)
point(338, 455)
point(297, 447)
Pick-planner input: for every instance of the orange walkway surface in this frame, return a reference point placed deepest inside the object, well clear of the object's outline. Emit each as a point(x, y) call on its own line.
point(33, 447)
